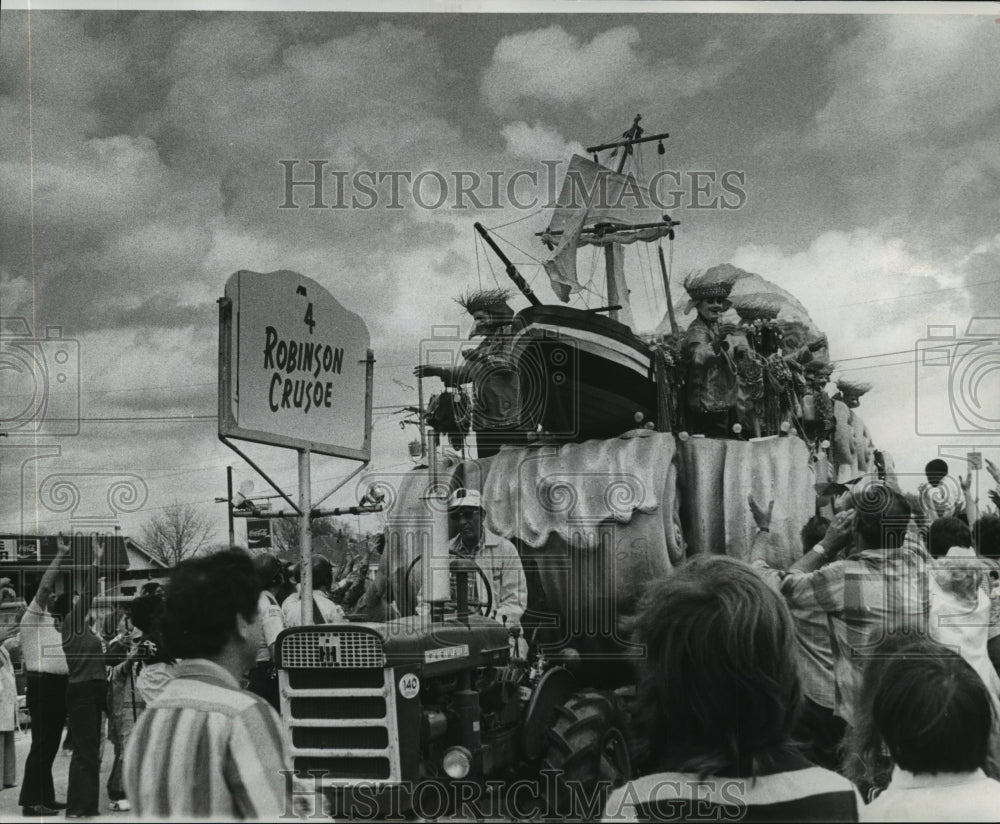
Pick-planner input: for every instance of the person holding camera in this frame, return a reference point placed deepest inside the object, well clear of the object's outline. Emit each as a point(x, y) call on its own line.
point(876, 589)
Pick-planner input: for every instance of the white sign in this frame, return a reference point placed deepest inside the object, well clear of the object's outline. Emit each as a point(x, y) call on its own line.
point(446, 653)
point(294, 366)
point(409, 685)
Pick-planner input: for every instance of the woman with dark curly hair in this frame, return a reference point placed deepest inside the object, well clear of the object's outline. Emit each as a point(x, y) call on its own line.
point(717, 699)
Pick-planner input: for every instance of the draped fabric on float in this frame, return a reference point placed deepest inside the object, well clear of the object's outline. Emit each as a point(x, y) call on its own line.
point(595, 522)
point(717, 475)
point(570, 490)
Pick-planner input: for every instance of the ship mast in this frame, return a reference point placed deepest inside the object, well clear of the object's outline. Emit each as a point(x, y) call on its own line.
point(614, 264)
point(614, 271)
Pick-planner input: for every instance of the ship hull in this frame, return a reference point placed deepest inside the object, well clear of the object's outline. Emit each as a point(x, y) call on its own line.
point(583, 376)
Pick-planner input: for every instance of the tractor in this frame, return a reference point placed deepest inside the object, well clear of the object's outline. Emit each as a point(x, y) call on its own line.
point(377, 711)
point(452, 699)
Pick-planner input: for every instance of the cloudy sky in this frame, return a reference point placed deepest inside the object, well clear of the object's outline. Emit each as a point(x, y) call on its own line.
point(140, 165)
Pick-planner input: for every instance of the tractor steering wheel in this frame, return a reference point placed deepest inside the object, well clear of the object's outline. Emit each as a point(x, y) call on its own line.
point(484, 609)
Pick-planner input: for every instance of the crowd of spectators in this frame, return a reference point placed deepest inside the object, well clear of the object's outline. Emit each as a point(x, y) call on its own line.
point(858, 683)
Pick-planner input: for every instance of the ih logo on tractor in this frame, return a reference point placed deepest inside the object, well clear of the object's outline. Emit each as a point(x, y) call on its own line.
point(328, 649)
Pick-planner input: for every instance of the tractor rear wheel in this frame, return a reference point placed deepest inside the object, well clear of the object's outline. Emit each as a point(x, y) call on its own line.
point(587, 755)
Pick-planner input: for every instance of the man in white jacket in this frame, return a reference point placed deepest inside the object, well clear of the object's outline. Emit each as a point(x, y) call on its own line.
point(495, 556)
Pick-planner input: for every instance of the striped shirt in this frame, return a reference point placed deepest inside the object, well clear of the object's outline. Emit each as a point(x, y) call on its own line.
point(205, 748)
point(796, 791)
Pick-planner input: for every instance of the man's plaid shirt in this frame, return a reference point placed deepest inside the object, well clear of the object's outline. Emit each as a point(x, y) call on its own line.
point(869, 597)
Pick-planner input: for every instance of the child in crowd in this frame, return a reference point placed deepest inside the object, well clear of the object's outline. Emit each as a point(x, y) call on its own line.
point(932, 712)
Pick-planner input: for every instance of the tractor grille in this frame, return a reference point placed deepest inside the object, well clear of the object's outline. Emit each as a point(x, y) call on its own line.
point(364, 738)
point(351, 650)
point(336, 705)
point(338, 701)
point(340, 678)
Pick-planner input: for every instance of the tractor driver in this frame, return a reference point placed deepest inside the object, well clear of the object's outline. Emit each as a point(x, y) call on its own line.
point(495, 556)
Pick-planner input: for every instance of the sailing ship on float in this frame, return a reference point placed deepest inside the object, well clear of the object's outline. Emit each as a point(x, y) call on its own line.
point(585, 373)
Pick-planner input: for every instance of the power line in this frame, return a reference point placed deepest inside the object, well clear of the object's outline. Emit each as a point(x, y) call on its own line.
point(875, 366)
point(918, 294)
point(132, 419)
point(877, 355)
point(145, 388)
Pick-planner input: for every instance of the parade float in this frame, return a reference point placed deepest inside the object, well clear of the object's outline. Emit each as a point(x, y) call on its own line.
point(601, 488)
point(611, 487)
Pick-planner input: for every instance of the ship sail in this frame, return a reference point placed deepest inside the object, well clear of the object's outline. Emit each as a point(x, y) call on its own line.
point(600, 207)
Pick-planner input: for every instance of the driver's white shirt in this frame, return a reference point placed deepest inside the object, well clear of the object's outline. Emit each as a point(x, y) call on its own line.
point(498, 558)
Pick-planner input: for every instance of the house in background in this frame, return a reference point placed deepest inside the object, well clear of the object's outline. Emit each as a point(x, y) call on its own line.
point(142, 569)
point(126, 566)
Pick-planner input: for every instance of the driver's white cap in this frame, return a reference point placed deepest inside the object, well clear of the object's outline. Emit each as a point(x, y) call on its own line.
point(465, 497)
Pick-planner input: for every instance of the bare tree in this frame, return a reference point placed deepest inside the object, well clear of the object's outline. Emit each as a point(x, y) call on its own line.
point(178, 532)
point(329, 537)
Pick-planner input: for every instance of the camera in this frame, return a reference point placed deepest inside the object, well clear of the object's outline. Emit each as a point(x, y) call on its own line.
point(145, 650)
point(39, 381)
point(957, 380)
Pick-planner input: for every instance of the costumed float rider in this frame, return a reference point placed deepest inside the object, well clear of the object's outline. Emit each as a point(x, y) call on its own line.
point(490, 368)
point(711, 386)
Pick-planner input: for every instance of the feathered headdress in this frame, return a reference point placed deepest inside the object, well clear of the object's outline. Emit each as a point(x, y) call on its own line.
point(757, 307)
point(820, 368)
point(493, 301)
point(852, 389)
point(703, 286)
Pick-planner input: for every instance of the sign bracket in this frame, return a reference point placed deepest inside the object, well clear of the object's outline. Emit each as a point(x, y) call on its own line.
point(260, 472)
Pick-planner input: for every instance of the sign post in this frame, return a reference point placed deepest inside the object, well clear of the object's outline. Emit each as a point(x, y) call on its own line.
point(295, 371)
point(305, 539)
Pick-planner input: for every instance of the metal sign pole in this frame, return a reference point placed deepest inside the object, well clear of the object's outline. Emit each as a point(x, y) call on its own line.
point(229, 504)
point(305, 539)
